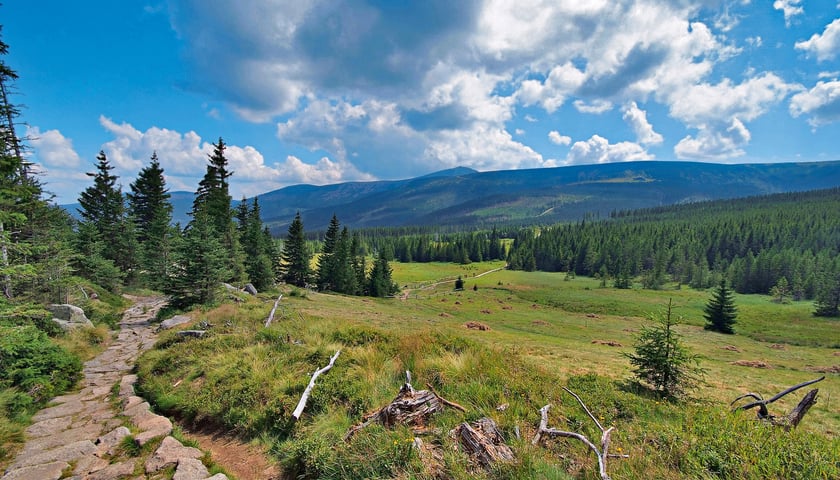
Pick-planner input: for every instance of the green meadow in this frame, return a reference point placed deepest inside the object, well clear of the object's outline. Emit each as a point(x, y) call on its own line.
point(541, 331)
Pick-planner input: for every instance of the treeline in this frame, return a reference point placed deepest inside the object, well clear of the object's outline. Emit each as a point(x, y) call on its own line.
point(755, 244)
point(464, 247)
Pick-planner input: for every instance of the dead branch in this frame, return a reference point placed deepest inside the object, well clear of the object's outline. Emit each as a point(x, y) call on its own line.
point(790, 420)
point(305, 397)
point(443, 400)
point(602, 453)
point(410, 407)
point(273, 309)
point(483, 441)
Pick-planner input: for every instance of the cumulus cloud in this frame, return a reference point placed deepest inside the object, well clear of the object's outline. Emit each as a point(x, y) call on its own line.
point(397, 91)
point(558, 139)
point(52, 149)
point(790, 8)
point(599, 150)
point(715, 142)
point(184, 159)
point(821, 103)
point(637, 119)
point(824, 46)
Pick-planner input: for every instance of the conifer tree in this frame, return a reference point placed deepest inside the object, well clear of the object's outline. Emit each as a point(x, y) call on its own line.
point(295, 257)
point(720, 311)
point(151, 211)
point(662, 361)
point(200, 265)
point(380, 283)
point(327, 263)
point(344, 276)
point(213, 199)
point(103, 210)
point(827, 298)
point(258, 247)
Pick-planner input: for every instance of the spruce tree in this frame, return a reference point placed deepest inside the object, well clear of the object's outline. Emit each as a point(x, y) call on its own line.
point(257, 247)
point(213, 199)
point(827, 297)
point(662, 361)
point(380, 283)
point(720, 311)
point(200, 265)
point(295, 257)
point(151, 211)
point(327, 262)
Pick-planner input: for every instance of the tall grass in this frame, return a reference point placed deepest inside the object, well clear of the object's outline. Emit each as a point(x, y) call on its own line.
point(248, 379)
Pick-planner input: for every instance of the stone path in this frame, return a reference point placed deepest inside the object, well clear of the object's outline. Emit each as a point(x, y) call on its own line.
point(81, 436)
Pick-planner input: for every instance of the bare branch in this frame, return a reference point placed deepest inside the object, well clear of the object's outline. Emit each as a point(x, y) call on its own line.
point(305, 397)
point(273, 309)
point(585, 409)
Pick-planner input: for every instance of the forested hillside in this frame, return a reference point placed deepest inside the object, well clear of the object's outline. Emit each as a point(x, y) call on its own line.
point(787, 241)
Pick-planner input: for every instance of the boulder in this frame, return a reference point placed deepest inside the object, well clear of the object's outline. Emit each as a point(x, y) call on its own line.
point(69, 316)
point(174, 322)
point(250, 288)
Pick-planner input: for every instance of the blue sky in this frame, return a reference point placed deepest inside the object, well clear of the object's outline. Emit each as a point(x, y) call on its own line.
point(328, 91)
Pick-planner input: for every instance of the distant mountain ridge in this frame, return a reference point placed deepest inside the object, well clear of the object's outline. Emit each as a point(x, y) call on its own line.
point(468, 198)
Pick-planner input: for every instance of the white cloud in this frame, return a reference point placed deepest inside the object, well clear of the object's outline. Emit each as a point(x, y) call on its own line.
point(558, 139)
point(821, 103)
point(519, 132)
point(715, 142)
point(637, 119)
point(826, 46)
point(481, 147)
point(595, 107)
point(599, 150)
point(52, 149)
point(790, 8)
point(704, 103)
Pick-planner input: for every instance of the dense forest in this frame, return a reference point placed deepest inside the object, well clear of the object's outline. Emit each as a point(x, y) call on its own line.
point(785, 243)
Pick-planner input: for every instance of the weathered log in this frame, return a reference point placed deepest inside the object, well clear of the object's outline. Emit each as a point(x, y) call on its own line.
point(305, 397)
point(602, 453)
point(790, 420)
point(483, 442)
point(273, 309)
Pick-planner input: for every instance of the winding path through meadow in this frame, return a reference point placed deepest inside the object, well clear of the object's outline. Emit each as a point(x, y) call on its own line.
point(80, 435)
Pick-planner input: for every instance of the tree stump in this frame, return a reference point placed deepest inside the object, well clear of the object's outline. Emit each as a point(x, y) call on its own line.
point(483, 442)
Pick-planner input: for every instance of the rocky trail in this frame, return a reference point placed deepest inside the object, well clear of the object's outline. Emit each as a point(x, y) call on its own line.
point(81, 436)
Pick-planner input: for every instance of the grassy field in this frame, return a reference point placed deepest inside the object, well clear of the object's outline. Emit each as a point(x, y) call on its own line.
point(544, 331)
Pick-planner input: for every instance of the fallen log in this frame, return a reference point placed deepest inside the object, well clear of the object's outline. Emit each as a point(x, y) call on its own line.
point(305, 397)
point(483, 441)
point(273, 309)
point(602, 453)
point(410, 407)
point(792, 419)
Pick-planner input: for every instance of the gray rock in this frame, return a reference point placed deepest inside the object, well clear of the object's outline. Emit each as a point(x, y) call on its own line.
point(173, 322)
point(69, 316)
point(67, 453)
point(230, 287)
point(168, 453)
point(49, 427)
point(116, 470)
point(47, 471)
point(218, 476)
point(152, 427)
point(111, 439)
point(190, 469)
point(250, 288)
point(89, 464)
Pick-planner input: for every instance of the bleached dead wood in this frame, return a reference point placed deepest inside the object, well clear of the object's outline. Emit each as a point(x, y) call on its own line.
point(410, 407)
point(602, 453)
point(792, 419)
point(483, 441)
point(273, 309)
point(305, 397)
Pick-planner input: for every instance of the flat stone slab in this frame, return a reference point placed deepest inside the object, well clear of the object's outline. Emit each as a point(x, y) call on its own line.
point(66, 453)
point(117, 470)
point(170, 452)
point(64, 410)
point(45, 471)
point(48, 427)
point(63, 437)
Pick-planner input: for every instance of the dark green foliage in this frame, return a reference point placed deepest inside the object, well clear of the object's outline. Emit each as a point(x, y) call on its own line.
point(459, 283)
point(662, 361)
point(720, 312)
point(257, 245)
point(201, 265)
point(151, 211)
point(752, 242)
point(327, 261)
point(213, 200)
point(827, 301)
point(295, 256)
point(380, 283)
point(34, 365)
